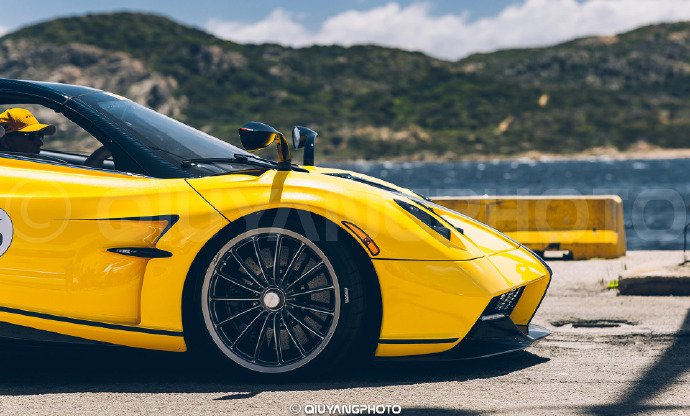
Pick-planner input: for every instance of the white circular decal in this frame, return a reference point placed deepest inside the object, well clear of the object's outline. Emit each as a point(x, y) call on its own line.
point(6, 231)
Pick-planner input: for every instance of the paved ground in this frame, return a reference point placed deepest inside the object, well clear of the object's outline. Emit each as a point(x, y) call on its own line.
point(608, 354)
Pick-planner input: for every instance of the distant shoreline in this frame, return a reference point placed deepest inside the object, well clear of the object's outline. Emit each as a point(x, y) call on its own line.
point(638, 152)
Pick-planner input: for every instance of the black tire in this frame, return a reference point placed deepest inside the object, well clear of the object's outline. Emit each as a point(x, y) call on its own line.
point(309, 313)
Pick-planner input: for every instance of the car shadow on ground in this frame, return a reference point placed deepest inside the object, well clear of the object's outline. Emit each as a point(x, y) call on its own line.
point(39, 369)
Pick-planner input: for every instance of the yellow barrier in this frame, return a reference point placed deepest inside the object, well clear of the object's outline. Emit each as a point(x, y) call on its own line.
point(586, 226)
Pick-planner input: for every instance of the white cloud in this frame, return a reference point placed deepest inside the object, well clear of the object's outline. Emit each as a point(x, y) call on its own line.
point(279, 27)
point(3, 30)
point(452, 36)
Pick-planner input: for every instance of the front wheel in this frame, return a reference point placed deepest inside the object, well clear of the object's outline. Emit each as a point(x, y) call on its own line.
point(273, 301)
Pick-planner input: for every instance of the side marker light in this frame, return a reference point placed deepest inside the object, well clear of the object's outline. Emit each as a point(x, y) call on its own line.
point(366, 240)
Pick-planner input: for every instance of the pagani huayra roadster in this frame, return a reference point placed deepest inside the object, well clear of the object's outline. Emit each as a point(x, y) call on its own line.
point(140, 231)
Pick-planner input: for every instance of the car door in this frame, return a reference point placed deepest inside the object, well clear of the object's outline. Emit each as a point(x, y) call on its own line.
point(57, 224)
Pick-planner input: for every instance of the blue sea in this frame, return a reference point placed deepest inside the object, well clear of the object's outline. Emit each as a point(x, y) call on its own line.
point(655, 193)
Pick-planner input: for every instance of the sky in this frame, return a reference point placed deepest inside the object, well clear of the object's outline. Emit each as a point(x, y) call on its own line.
point(447, 29)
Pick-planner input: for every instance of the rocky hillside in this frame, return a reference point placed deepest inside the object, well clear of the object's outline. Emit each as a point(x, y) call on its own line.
point(88, 65)
point(373, 102)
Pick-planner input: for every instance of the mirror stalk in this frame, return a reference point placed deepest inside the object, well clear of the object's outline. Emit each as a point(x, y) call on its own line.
point(284, 157)
point(305, 137)
point(309, 151)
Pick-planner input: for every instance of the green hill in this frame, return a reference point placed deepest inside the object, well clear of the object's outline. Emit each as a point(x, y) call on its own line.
point(373, 102)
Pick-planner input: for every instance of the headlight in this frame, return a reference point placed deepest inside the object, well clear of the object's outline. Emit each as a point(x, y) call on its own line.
point(426, 218)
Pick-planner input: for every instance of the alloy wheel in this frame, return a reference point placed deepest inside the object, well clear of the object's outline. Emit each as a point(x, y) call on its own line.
point(271, 300)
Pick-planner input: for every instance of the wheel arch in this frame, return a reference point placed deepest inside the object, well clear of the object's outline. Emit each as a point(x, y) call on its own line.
point(277, 217)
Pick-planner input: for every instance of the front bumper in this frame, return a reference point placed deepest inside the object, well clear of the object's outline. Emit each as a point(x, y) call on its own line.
point(430, 306)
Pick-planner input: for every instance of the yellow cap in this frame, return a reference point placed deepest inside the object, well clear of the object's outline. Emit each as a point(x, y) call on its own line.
point(19, 119)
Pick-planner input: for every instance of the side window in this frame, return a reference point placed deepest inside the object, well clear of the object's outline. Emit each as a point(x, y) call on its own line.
point(69, 143)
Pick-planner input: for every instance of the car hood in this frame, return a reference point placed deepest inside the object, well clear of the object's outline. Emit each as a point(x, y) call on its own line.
point(371, 204)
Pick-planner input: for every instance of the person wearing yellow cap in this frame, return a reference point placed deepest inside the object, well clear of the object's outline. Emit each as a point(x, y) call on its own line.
point(23, 133)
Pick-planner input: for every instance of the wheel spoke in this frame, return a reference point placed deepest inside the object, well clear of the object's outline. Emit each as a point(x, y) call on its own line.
point(301, 278)
point(307, 292)
point(236, 283)
point(234, 300)
point(276, 339)
point(276, 260)
point(304, 324)
point(292, 336)
point(312, 308)
point(260, 260)
point(225, 321)
point(246, 268)
point(292, 263)
point(261, 337)
point(246, 329)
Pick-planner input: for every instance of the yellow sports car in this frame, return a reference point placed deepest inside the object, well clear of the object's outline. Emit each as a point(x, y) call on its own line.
point(137, 230)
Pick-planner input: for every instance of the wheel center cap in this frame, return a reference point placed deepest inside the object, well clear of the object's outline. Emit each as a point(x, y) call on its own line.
point(271, 299)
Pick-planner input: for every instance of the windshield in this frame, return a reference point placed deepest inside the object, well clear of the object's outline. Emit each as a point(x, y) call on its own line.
point(170, 139)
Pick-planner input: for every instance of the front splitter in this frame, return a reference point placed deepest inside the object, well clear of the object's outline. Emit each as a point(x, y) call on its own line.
point(486, 339)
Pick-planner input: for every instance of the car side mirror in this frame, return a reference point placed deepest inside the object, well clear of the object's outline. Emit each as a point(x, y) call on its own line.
point(2, 131)
point(256, 136)
point(305, 137)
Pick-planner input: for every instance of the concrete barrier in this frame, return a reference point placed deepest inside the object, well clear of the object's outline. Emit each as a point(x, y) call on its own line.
point(578, 227)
